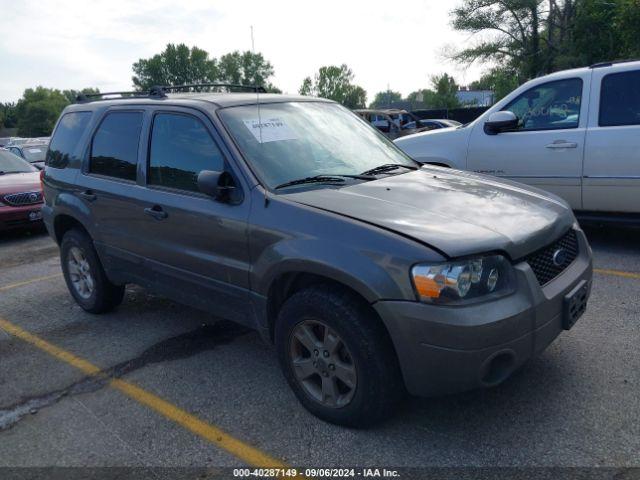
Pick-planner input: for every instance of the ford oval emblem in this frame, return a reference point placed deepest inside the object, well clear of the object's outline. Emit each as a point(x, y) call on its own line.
point(560, 257)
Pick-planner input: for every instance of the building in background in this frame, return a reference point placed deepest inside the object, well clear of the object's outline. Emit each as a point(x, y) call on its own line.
point(475, 98)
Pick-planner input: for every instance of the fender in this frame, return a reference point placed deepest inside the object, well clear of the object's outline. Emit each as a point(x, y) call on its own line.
point(333, 260)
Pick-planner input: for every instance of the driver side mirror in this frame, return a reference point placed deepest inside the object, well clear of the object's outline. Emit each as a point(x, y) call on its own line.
point(501, 122)
point(219, 185)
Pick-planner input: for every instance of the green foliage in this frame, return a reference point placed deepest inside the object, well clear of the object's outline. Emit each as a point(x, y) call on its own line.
point(181, 65)
point(335, 83)
point(176, 65)
point(444, 94)
point(246, 68)
point(527, 38)
point(500, 81)
point(38, 110)
point(8, 115)
point(385, 99)
point(71, 95)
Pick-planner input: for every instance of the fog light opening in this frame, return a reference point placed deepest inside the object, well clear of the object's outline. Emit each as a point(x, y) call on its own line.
point(498, 368)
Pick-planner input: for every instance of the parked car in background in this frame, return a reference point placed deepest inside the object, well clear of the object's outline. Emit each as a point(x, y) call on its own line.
point(370, 274)
point(20, 193)
point(33, 152)
point(4, 141)
point(574, 133)
point(392, 122)
point(16, 141)
point(431, 124)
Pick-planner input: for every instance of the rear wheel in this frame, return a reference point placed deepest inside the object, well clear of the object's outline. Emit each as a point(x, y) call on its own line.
point(84, 275)
point(337, 357)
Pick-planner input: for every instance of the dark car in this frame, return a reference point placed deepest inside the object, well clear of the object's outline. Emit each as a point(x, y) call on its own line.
point(20, 193)
point(34, 153)
point(371, 274)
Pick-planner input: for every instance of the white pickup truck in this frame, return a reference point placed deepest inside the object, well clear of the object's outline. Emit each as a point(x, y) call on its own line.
point(574, 133)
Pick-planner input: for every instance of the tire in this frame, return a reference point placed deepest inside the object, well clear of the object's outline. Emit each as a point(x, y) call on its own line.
point(365, 349)
point(76, 249)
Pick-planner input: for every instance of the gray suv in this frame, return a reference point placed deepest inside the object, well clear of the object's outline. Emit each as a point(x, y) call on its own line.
point(371, 274)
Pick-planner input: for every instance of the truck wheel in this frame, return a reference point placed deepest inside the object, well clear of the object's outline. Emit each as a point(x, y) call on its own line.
point(337, 358)
point(85, 276)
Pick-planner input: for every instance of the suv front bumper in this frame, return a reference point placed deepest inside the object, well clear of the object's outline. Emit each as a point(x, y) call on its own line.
point(451, 349)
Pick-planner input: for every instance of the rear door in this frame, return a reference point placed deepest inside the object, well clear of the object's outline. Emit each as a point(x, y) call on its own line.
point(612, 155)
point(197, 247)
point(107, 187)
point(547, 148)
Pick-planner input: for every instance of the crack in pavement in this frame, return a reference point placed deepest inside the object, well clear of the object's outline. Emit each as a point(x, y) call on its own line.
point(204, 338)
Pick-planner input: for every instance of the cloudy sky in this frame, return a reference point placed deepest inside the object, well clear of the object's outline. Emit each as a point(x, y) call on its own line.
point(93, 43)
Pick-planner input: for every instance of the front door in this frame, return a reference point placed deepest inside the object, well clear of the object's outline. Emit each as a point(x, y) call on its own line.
point(197, 246)
point(546, 150)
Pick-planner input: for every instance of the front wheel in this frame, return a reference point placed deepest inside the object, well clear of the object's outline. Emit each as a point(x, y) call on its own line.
point(84, 275)
point(337, 357)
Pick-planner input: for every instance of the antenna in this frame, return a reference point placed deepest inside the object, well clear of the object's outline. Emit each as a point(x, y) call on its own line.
point(253, 50)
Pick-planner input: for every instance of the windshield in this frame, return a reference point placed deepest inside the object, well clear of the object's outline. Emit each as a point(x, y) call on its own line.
point(35, 153)
point(9, 163)
point(305, 139)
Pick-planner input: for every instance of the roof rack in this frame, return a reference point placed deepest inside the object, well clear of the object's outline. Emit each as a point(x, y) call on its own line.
point(159, 92)
point(613, 62)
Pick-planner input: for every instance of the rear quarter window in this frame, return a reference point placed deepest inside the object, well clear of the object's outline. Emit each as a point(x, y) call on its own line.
point(64, 145)
point(620, 99)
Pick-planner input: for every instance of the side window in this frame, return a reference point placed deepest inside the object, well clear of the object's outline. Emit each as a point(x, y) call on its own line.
point(620, 99)
point(181, 148)
point(550, 106)
point(114, 150)
point(64, 145)
point(16, 151)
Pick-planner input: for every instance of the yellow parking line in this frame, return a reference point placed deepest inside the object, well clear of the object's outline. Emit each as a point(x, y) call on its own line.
point(211, 433)
point(617, 273)
point(28, 282)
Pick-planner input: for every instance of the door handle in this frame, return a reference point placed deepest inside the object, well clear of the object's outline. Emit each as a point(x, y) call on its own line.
point(88, 195)
point(156, 212)
point(562, 144)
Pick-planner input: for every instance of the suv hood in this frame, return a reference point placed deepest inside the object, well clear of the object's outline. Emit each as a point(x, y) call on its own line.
point(455, 212)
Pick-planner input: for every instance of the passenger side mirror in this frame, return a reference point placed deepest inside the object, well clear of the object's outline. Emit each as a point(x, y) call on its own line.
point(501, 122)
point(219, 185)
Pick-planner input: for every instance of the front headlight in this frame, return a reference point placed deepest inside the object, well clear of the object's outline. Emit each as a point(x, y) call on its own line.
point(462, 280)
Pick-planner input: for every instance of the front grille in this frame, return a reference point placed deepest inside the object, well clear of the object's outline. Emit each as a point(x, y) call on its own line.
point(552, 260)
point(23, 198)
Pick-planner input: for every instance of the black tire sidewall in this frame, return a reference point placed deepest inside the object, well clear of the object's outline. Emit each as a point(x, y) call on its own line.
point(102, 293)
point(377, 383)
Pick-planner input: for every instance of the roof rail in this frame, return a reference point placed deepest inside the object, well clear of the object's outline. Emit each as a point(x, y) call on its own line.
point(613, 62)
point(159, 92)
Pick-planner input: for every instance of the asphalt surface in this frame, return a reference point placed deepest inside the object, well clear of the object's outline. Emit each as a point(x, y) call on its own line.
point(577, 405)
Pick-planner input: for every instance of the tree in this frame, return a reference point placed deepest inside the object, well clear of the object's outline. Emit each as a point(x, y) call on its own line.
point(509, 33)
point(8, 114)
point(335, 83)
point(534, 37)
point(72, 95)
point(499, 80)
point(246, 68)
point(38, 110)
point(445, 92)
point(385, 99)
point(176, 65)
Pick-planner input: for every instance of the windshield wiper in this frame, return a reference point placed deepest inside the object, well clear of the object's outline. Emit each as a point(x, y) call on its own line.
point(316, 179)
point(334, 177)
point(387, 167)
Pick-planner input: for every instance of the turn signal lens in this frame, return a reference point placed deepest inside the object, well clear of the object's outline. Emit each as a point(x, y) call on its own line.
point(463, 279)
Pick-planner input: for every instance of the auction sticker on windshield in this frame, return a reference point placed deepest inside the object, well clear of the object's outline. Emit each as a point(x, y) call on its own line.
point(270, 130)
